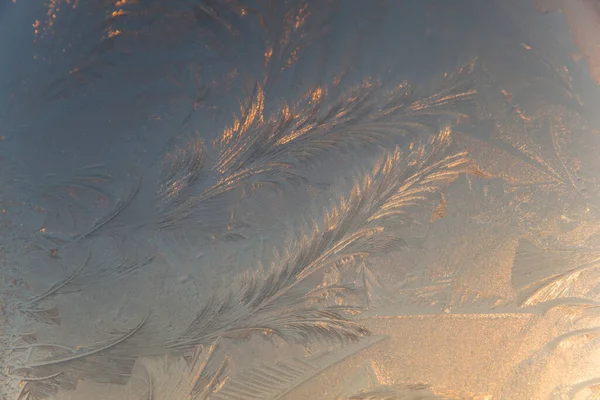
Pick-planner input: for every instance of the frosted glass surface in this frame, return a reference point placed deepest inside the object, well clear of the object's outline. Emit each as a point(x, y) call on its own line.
point(338, 200)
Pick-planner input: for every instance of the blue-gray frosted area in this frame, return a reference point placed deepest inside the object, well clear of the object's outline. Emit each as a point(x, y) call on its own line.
point(341, 200)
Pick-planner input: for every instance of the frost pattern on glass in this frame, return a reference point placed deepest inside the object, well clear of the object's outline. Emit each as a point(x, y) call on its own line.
point(238, 199)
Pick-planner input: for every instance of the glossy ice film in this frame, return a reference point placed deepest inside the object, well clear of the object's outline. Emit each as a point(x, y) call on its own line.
point(299, 199)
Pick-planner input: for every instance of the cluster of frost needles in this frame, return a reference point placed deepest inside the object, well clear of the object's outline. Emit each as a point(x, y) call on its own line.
point(199, 185)
point(279, 302)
